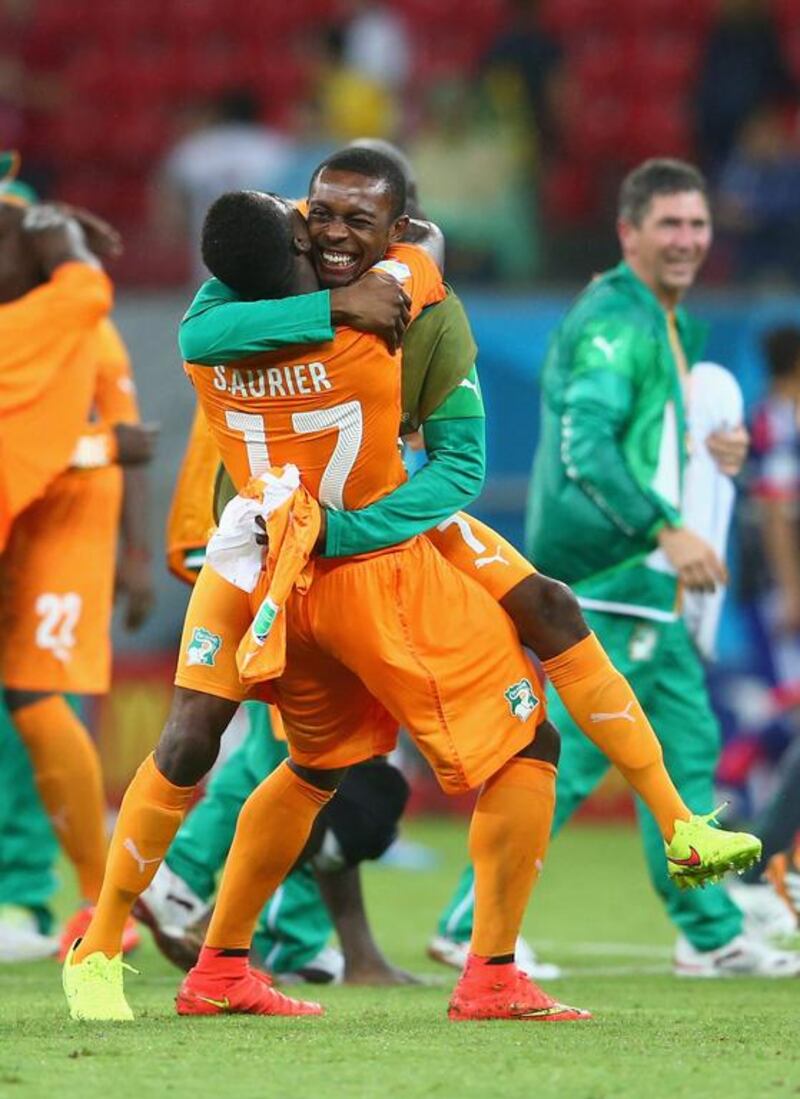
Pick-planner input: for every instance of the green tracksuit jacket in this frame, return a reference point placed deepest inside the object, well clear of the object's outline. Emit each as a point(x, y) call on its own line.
point(609, 466)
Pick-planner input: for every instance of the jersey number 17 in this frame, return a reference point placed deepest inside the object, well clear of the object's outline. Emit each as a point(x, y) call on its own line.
point(346, 419)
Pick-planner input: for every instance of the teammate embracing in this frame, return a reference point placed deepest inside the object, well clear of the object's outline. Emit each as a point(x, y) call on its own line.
point(468, 734)
point(357, 643)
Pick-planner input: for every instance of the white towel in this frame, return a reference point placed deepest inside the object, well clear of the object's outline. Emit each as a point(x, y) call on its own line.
point(232, 549)
point(715, 404)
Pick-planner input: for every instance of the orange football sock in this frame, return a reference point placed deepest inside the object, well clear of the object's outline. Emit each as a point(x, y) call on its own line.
point(508, 839)
point(272, 830)
point(150, 815)
point(601, 703)
point(70, 783)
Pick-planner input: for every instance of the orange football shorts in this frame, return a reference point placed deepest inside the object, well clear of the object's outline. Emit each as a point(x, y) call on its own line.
point(482, 553)
point(389, 639)
point(58, 586)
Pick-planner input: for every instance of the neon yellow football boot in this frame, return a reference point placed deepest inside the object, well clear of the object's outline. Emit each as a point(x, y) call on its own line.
point(701, 851)
point(93, 987)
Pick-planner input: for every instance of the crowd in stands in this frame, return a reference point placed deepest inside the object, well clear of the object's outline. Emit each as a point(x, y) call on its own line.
point(520, 115)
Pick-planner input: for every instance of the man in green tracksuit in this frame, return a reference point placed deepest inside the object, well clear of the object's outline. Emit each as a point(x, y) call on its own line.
point(605, 497)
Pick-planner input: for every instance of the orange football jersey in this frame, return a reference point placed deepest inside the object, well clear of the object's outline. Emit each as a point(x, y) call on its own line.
point(49, 366)
point(191, 519)
point(333, 409)
point(115, 399)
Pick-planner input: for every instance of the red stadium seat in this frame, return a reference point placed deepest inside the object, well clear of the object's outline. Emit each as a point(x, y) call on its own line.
point(79, 134)
point(94, 190)
point(570, 19)
point(597, 128)
point(568, 194)
point(58, 20)
point(664, 64)
point(124, 23)
point(791, 49)
point(92, 72)
point(601, 62)
point(198, 20)
point(657, 16)
point(137, 137)
point(787, 13)
point(659, 127)
point(214, 67)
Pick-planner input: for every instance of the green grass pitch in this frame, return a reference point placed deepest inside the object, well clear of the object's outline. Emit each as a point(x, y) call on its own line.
point(653, 1037)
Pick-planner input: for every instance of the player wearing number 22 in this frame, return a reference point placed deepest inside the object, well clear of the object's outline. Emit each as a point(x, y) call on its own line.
point(365, 652)
point(68, 390)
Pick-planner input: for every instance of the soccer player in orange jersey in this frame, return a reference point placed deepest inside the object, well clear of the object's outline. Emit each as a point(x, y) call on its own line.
point(365, 651)
point(53, 294)
point(56, 611)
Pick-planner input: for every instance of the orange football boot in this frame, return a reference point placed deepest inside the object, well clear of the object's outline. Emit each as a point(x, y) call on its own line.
point(487, 991)
point(244, 992)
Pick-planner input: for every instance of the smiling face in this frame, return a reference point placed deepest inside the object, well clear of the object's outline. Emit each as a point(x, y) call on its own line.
point(351, 223)
point(667, 248)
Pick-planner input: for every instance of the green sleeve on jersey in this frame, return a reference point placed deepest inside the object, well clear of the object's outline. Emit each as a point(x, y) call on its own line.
point(464, 402)
point(219, 326)
point(449, 482)
point(439, 351)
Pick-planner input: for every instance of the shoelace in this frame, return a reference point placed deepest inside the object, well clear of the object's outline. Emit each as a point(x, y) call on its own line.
point(107, 974)
point(711, 818)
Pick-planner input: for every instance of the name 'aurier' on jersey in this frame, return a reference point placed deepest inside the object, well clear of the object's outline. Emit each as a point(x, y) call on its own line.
point(332, 409)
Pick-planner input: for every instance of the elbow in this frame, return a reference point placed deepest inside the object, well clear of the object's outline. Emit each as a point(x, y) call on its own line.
point(479, 477)
point(187, 343)
point(474, 479)
point(195, 346)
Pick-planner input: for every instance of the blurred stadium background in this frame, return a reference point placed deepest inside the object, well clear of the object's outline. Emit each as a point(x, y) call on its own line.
point(520, 118)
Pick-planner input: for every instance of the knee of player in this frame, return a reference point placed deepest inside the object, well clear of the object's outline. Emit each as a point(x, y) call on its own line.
point(189, 743)
point(558, 605)
point(547, 615)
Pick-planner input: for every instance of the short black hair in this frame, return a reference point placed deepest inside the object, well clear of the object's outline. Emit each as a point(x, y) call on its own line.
point(247, 244)
point(372, 165)
point(658, 176)
point(781, 347)
point(395, 153)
